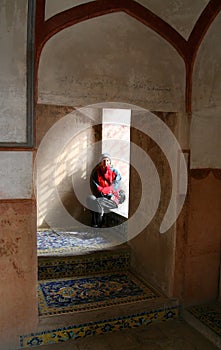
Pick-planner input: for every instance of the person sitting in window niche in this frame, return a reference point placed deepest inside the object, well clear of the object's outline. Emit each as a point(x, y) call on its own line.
point(105, 186)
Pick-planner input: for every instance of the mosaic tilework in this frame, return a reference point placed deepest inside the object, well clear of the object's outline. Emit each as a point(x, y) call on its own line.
point(100, 327)
point(60, 267)
point(92, 292)
point(58, 242)
point(209, 315)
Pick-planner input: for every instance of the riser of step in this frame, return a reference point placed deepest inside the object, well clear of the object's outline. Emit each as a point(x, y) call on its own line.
point(82, 265)
point(80, 325)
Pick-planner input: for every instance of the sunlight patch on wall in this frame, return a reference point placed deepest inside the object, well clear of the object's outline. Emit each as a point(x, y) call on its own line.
point(115, 127)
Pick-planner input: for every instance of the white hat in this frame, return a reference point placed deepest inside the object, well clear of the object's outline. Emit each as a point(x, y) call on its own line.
point(105, 155)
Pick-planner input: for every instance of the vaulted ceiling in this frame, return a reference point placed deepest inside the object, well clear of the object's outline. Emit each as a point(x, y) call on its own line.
point(156, 41)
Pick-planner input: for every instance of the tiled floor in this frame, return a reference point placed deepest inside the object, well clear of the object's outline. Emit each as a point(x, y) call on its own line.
point(78, 241)
point(170, 335)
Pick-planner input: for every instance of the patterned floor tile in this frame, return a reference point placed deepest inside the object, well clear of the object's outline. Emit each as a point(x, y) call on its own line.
point(58, 242)
point(209, 314)
point(91, 292)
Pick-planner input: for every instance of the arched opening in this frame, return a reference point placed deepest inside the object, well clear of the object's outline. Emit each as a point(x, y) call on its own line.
point(84, 79)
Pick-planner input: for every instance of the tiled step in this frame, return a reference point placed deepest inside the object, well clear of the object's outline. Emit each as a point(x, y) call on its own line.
point(115, 259)
point(205, 319)
point(176, 334)
point(47, 335)
point(136, 304)
point(78, 240)
point(118, 301)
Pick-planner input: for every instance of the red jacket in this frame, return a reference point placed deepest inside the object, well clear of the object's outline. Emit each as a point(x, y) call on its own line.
point(106, 181)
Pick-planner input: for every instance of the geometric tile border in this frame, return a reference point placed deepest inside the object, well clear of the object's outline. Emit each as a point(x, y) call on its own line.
point(59, 267)
point(99, 327)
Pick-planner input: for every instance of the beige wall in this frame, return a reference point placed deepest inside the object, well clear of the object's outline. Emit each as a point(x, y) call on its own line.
point(200, 253)
point(206, 121)
point(153, 253)
point(13, 23)
point(18, 260)
point(177, 13)
point(111, 58)
point(63, 163)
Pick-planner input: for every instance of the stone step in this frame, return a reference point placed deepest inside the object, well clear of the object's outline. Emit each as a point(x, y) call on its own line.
point(106, 303)
point(114, 259)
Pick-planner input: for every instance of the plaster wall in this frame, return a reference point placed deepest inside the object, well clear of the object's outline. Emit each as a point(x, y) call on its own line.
point(153, 253)
point(206, 123)
point(52, 7)
point(13, 29)
point(181, 15)
point(64, 160)
point(202, 260)
point(111, 58)
point(205, 140)
point(16, 174)
point(202, 254)
point(18, 260)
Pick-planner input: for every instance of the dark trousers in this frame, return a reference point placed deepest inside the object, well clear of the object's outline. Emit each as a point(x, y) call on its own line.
point(98, 207)
point(97, 219)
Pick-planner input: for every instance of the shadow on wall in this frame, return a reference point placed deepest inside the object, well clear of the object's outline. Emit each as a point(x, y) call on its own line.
point(62, 166)
point(64, 200)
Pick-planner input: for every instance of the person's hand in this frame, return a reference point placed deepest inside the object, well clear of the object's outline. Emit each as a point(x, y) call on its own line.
point(104, 190)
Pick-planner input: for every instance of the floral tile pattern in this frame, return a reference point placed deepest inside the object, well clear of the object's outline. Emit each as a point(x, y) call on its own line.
point(209, 314)
point(91, 292)
point(100, 327)
point(51, 242)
